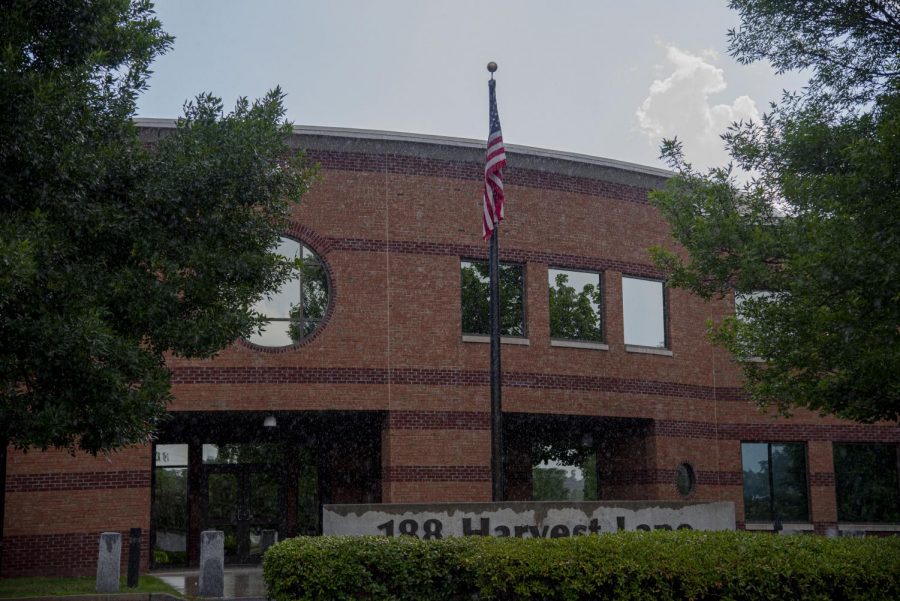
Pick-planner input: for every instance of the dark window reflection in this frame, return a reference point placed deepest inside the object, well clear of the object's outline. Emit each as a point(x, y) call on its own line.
point(265, 505)
point(170, 505)
point(307, 495)
point(685, 480)
point(476, 297)
point(775, 483)
point(223, 498)
point(866, 482)
point(170, 515)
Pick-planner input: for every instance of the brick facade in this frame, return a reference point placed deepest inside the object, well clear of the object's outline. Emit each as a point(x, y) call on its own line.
point(57, 505)
point(391, 218)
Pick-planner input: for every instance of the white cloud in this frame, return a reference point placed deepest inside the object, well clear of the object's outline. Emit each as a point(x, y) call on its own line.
point(679, 105)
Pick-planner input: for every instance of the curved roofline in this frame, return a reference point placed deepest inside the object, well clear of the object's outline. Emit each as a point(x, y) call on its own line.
point(391, 136)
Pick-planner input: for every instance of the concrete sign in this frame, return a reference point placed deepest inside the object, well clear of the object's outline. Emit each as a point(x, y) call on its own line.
point(523, 520)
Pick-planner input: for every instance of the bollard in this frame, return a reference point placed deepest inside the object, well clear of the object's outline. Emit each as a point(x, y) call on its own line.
point(212, 563)
point(267, 539)
point(108, 559)
point(134, 557)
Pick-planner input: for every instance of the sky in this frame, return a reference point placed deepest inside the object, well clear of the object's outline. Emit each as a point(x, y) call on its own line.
point(607, 78)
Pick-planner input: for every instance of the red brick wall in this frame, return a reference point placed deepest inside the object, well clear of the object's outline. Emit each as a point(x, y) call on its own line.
point(57, 505)
point(392, 230)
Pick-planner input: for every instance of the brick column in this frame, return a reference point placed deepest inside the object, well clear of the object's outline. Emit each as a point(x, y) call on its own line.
point(519, 483)
point(627, 467)
point(436, 456)
point(822, 500)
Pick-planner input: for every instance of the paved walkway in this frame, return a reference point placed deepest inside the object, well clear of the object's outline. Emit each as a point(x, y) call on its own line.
point(240, 582)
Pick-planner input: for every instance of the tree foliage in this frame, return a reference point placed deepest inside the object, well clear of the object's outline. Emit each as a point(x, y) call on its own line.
point(850, 46)
point(476, 297)
point(575, 315)
point(817, 226)
point(115, 253)
point(310, 311)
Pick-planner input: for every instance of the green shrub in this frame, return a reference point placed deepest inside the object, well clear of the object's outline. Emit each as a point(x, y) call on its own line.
point(625, 565)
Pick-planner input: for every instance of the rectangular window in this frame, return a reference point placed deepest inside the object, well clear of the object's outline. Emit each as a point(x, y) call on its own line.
point(476, 297)
point(242, 453)
point(747, 305)
point(575, 305)
point(866, 482)
point(643, 308)
point(775, 485)
point(170, 505)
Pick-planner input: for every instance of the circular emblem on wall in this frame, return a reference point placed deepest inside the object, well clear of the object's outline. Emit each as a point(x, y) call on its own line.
point(685, 479)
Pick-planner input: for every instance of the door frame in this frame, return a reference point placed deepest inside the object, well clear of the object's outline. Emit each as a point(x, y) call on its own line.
point(242, 472)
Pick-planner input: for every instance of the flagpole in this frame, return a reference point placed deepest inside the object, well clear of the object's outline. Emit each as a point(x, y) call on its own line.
point(497, 452)
point(497, 476)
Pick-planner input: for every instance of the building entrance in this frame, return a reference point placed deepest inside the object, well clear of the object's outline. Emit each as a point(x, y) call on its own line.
point(245, 502)
point(257, 477)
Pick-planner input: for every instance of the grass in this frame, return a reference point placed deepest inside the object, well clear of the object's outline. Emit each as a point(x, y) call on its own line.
point(51, 587)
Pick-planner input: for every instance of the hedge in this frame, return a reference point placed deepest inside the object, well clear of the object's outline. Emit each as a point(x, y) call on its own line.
point(624, 565)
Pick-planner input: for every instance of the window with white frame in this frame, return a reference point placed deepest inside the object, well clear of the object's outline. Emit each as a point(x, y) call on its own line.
point(644, 312)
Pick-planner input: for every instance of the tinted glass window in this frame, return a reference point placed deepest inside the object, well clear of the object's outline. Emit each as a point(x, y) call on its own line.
point(866, 482)
point(242, 453)
point(775, 484)
point(476, 297)
point(643, 312)
point(572, 478)
point(296, 309)
point(575, 305)
point(307, 494)
point(170, 505)
point(685, 480)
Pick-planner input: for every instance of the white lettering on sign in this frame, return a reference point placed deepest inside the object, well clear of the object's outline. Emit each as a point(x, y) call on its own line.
point(523, 520)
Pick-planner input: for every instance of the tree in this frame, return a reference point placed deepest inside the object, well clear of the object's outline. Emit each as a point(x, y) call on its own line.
point(816, 227)
point(115, 254)
point(851, 46)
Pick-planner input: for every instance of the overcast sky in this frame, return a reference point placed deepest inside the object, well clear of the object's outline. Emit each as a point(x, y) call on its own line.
point(604, 78)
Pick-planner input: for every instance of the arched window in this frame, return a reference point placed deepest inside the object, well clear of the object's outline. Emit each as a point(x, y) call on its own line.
point(297, 309)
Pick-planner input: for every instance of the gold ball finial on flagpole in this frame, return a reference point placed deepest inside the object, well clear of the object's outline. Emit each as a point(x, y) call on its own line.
point(492, 67)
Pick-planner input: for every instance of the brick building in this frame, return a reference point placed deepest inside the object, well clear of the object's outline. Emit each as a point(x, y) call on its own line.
point(374, 386)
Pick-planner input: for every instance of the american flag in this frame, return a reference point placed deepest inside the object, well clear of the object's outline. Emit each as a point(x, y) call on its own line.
point(493, 171)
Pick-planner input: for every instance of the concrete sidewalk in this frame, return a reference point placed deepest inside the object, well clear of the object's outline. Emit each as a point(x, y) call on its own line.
point(240, 582)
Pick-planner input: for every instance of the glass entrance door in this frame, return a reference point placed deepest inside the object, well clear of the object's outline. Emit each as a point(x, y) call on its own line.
point(265, 498)
point(245, 501)
point(245, 504)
